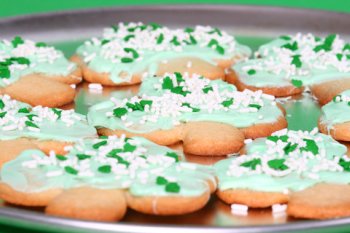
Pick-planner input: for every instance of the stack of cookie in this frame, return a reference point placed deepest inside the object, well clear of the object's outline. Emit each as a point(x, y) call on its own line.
point(197, 88)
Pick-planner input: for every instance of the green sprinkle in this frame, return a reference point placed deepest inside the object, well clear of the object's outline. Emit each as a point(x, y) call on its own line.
point(344, 164)
point(23, 110)
point(20, 60)
point(172, 187)
point(168, 85)
point(61, 157)
point(57, 112)
point(129, 148)
point(119, 112)
point(292, 47)
point(160, 38)
point(310, 146)
point(346, 47)
point(99, 144)
point(31, 124)
point(128, 37)
point(337, 98)
point(227, 103)
point(284, 37)
point(2, 104)
point(220, 49)
point(297, 83)
point(179, 77)
point(155, 26)
point(189, 106)
point(189, 30)
point(212, 42)
point(173, 155)
point(251, 164)
point(83, 156)
point(273, 138)
point(105, 41)
point(289, 148)
point(251, 72)
point(327, 45)
point(277, 164)
point(161, 180)
point(146, 102)
point(132, 51)
point(103, 137)
point(3, 114)
point(115, 28)
point(71, 170)
point(105, 169)
point(207, 89)
point(17, 41)
point(296, 61)
point(216, 30)
point(31, 116)
point(284, 138)
point(257, 106)
point(126, 60)
point(40, 44)
point(175, 41)
point(4, 72)
point(339, 56)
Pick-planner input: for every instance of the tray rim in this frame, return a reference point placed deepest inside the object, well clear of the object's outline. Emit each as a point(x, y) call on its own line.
point(37, 220)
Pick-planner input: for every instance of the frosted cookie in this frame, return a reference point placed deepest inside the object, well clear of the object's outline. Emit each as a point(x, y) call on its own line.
point(36, 73)
point(285, 162)
point(288, 64)
point(209, 117)
point(115, 173)
point(126, 53)
point(334, 119)
point(46, 128)
point(322, 201)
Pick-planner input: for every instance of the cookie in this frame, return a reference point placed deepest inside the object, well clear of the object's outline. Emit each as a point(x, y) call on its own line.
point(36, 73)
point(39, 127)
point(334, 119)
point(211, 118)
point(322, 201)
point(115, 172)
point(121, 56)
point(274, 167)
point(288, 64)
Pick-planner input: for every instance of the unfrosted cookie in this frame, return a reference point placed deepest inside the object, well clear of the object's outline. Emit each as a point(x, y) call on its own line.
point(99, 178)
point(288, 64)
point(322, 201)
point(39, 127)
point(285, 162)
point(335, 119)
point(36, 73)
point(209, 117)
point(129, 52)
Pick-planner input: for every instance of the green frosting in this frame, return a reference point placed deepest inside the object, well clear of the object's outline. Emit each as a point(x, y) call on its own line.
point(18, 120)
point(109, 163)
point(287, 160)
point(336, 111)
point(301, 60)
point(123, 51)
point(191, 99)
point(23, 57)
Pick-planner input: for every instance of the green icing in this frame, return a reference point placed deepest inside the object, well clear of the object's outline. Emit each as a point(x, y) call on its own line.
point(336, 112)
point(41, 59)
point(22, 120)
point(99, 115)
point(145, 56)
point(301, 169)
point(107, 163)
point(315, 60)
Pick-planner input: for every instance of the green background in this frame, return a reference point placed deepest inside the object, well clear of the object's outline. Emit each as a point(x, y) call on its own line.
point(18, 7)
point(10, 8)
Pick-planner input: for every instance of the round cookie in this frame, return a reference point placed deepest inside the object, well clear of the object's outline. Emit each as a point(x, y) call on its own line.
point(26, 127)
point(122, 57)
point(211, 118)
point(283, 163)
point(288, 64)
point(114, 172)
point(334, 119)
point(36, 73)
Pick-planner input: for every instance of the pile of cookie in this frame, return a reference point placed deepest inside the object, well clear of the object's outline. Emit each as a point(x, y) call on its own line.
point(199, 88)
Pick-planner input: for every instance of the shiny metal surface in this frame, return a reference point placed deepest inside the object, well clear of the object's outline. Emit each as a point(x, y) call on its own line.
point(255, 26)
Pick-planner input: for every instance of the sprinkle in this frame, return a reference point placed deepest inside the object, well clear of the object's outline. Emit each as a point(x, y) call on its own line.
point(95, 86)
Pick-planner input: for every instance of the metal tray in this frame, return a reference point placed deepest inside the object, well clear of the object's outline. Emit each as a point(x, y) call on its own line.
point(253, 26)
